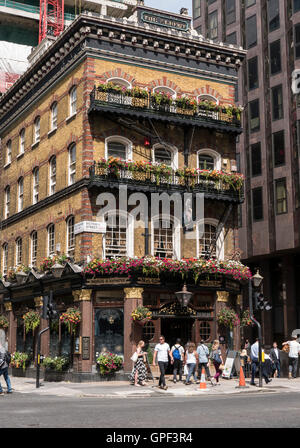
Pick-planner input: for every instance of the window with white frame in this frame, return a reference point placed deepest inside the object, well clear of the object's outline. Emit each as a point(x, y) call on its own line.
point(20, 194)
point(7, 202)
point(35, 187)
point(4, 258)
point(72, 164)
point(73, 101)
point(162, 155)
point(207, 244)
point(8, 152)
point(22, 141)
point(117, 146)
point(165, 238)
point(120, 82)
point(208, 159)
point(116, 239)
point(209, 98)
point(51, 239)
point(53, 113)
point(70, 236)
point(166, 90)
point(52, 175)
point(37, 129)
point(34, 242)
point(18, 251)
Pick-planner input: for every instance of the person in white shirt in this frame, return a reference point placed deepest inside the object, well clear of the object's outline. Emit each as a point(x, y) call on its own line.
point(162, 352)
point(293, 356)
point(275, 358)
point(255, 364)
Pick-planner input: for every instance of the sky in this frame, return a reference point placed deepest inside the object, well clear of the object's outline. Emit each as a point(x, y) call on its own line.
point(170, 5)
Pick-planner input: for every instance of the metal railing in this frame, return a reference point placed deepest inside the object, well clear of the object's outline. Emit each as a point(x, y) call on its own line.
point(149, 104)
point(214, 188)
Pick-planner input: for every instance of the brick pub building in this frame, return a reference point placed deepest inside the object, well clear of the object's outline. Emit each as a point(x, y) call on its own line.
point(81, 103)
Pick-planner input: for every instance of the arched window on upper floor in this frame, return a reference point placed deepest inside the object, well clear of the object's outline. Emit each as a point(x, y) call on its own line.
point(121, 82)
point(52, 175)
point(207, 244)
point(73, 101)
point(53, 116)
point(4, 259)
point(168, 156)
point(70, 249)
point(117, 146)
point(72, 164)
point(208, 159)
point(33, 248)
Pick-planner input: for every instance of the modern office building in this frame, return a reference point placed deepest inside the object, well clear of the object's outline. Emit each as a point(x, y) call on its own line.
point(269, 225)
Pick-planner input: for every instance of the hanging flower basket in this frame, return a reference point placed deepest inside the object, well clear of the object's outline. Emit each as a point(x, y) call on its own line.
point(4, 322)
point(31, 320)
point(72, 318)
point(141, 315)
point(228, 318)
point(245, 320)
point(109, 363)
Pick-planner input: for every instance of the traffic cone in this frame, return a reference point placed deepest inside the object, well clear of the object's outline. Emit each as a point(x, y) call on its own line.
point(202, 381)
point(242, 382)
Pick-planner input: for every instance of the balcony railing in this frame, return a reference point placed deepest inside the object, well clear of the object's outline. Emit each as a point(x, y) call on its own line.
point(106, 177)
point(199, 115)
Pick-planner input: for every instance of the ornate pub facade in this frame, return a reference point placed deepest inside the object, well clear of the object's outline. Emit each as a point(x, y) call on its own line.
point(114, 112)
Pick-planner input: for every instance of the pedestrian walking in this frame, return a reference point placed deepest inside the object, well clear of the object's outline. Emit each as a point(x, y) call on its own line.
point(244, 361)
point(217, 360)
point(255, 364)
point(139, 372)
point(178, 355)
point(162, 352)
point(191, 361)
point(294, 351)
point(247, 346)
point(275, 359)
point(4, 363)
point(203, 353)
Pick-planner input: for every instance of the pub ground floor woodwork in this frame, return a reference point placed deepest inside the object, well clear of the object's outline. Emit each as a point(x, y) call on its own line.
point(106, 306)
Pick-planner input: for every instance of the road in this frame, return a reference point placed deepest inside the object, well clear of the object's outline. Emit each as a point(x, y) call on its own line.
point(268, 410)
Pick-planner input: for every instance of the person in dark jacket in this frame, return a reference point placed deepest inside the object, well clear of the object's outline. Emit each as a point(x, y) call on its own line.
point(275, 358)
point(4, 370)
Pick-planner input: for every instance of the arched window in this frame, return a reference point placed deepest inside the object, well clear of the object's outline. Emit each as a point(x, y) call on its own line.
point(208, 98)
point(51, 239)
point(20, 194)
point(72, 164)
point(22, 141)
point(73, 100)
point(165, 240)
point(119, 237)
point(208, 159)
point(35, 186)
point(4, 258)
point(18, 251)
point(8, 152)
point(207, 244)
point(37, 128)
point(119, 147)
point(70, 236)
point(166, 90)
point(168, 156)
point(120, 82)
point(52, 175)
point(7, 201)
point(33, 248)
point(53, 116)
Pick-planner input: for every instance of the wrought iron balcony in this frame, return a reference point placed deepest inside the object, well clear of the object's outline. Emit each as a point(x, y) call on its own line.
point(147, 181)
point(199, 116)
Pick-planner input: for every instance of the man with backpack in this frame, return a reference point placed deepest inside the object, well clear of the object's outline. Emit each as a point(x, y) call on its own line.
point(178, 355)
point(4, 363)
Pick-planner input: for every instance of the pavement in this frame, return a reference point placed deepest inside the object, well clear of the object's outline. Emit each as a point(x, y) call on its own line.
point(123, 389)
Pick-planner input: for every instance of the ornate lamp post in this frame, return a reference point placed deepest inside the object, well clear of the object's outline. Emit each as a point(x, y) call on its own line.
point(256, 280)
point(184, 296)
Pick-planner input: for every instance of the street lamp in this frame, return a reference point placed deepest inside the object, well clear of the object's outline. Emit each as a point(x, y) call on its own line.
point(57, 270)
point(257, 281)
point(184, 296)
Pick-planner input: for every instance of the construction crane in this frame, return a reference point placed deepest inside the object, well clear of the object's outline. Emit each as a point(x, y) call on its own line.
point(51, 18)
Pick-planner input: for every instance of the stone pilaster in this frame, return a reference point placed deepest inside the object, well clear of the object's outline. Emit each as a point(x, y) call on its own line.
point(12, 329)
point(133, 297)
point(83, 299)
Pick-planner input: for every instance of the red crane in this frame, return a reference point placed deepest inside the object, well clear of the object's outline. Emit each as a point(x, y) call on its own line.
point(51, 18)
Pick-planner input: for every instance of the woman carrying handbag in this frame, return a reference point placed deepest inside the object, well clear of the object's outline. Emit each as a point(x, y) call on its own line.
point(217, 360)
point(139, 371)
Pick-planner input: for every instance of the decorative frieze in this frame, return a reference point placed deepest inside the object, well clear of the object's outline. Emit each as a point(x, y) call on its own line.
point(8, 306)
point(82, 295)
point(38, 302)
point(133, 293)
point(222, 296)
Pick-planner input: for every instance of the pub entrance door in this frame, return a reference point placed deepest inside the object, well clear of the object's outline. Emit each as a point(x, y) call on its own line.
point(173, 328)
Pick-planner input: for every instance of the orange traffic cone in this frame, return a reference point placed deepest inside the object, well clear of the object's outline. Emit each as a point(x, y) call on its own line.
point(202, 381)
point(242, 382)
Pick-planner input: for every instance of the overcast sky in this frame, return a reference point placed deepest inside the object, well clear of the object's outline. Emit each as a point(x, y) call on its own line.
point(170, 5)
